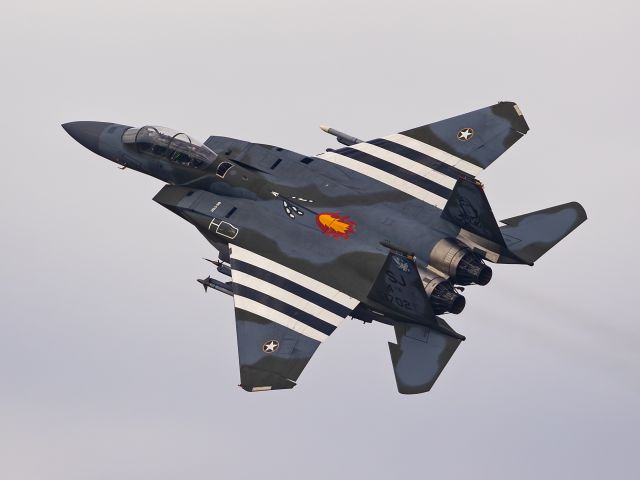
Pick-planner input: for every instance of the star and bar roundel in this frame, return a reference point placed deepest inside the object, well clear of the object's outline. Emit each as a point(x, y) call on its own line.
point(270, 346)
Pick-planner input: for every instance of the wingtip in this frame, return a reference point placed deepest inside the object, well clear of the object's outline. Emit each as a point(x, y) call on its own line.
point(512, 111)
point(582, 213)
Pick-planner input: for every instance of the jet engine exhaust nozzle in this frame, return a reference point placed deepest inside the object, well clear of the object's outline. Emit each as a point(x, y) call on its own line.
point(471, 269)
point(443, 296)
point(460, 263)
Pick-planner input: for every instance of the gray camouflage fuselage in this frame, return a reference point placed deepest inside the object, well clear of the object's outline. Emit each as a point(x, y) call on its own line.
point(255, 199)
point(383, 230)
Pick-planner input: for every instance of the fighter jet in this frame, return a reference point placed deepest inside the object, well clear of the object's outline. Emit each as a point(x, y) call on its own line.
point(388, 230)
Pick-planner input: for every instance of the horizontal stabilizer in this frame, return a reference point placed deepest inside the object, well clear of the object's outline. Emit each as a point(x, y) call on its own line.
point(531, 235)
point(420, 355)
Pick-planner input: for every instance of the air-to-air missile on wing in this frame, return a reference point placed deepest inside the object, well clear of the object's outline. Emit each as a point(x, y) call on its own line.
point(386, 230)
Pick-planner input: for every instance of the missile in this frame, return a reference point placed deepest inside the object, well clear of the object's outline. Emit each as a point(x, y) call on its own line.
point(216, 285)
point(222, 267)
point(343, 138)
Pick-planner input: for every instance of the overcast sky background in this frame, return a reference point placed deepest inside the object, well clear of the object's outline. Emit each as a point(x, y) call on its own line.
point(115, 365)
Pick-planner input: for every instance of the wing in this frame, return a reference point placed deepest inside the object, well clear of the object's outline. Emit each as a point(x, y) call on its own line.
point(426, 161)
point(282, 317)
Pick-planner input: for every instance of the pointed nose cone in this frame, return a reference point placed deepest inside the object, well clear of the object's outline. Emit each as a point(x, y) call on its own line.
point(86, 133)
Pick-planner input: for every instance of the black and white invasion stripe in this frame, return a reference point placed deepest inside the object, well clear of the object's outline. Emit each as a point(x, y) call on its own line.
point(407, 164)
point(285, 296)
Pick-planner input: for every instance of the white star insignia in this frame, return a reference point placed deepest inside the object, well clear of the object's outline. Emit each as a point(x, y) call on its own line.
point(270, 346)
point(465, 134)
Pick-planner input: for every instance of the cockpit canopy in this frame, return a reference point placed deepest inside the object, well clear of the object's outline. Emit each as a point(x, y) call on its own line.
point(170, 144)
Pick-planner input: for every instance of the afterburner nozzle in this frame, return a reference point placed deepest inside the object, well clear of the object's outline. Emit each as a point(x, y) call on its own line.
point(458, 262)
point(444, 298)
point(473, 270)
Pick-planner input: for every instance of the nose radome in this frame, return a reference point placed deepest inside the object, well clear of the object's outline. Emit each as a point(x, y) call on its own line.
point(86, 133)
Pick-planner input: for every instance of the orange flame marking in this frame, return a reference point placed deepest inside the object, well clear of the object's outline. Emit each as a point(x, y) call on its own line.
point(335, 225)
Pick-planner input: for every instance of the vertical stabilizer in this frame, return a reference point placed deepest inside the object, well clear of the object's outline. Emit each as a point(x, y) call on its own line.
point(469, 209)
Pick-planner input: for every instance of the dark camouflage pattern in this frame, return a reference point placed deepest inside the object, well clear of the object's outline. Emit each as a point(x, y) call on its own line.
point(347, 230)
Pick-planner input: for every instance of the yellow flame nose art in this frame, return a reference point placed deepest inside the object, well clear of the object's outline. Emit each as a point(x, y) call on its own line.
point(335, 225)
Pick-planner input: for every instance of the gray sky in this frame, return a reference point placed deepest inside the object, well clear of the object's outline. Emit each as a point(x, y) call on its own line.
point(113, 362)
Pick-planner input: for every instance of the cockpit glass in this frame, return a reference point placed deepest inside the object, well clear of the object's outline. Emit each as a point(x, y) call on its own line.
point(175, 146)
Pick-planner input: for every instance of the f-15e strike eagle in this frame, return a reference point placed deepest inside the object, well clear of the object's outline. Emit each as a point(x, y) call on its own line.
point(386, 230)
